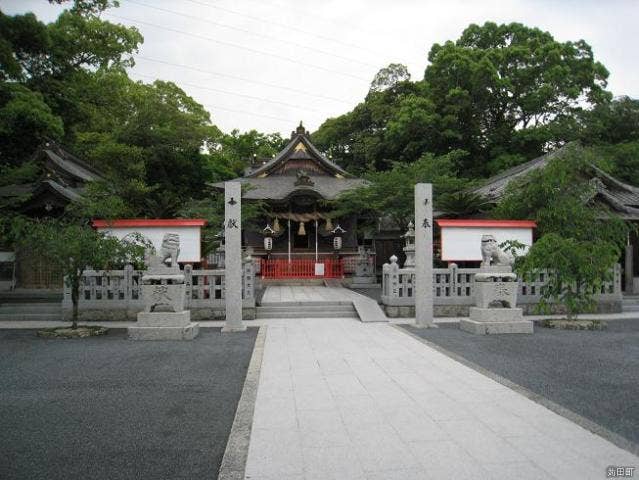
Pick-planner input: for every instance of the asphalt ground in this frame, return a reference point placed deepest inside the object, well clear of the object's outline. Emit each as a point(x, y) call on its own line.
point(592, 373)
point(111, 408)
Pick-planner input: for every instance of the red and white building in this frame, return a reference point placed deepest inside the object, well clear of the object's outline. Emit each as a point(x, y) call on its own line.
point(460, 239)
point(189, 230)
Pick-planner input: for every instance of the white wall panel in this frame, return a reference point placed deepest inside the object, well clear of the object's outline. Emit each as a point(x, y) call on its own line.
point(189, 238)
point(464, 243)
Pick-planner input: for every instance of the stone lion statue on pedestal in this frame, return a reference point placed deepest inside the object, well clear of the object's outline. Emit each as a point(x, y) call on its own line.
point(166, 258)
point(491, 254)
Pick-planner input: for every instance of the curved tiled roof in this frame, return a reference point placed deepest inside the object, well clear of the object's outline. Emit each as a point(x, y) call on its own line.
point(280, 187)
point(267, 182)
point(289, 152)
point(620, 196)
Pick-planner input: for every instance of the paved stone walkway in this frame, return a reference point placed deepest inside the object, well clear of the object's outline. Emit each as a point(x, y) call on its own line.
point(341, 399)
point(311, 293)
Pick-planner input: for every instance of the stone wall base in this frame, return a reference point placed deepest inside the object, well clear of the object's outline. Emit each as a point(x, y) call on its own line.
point(408, 311)
point(124, 315)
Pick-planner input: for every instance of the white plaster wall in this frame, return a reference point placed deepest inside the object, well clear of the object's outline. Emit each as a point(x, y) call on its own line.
point(189, 238)
point(464, 243)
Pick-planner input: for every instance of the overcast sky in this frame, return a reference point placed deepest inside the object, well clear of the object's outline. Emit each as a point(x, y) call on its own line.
point(267, 64)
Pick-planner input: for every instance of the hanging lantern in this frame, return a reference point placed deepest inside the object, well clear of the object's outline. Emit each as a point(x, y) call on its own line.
point(268, 238)
point(337, 239)
point(301, 230)
point(276, 225)
point(329, 225)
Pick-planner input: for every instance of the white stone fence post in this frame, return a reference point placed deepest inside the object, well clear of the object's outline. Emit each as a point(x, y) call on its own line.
point(116, 294)
point(454, 288)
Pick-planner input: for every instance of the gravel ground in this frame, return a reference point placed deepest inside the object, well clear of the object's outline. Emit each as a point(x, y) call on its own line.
point(110, 408)
point(594, 374)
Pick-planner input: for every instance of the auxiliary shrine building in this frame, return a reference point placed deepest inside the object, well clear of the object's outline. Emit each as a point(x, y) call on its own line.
point(300, 231)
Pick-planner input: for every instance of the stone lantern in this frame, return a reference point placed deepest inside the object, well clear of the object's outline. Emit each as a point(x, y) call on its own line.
point(220, 257)
point(409, 248)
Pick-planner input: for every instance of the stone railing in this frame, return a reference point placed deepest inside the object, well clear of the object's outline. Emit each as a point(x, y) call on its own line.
point(116, 294)
point(454, 288)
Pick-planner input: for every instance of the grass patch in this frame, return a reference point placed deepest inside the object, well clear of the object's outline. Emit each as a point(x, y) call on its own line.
point(564, 324)
point(83, 331)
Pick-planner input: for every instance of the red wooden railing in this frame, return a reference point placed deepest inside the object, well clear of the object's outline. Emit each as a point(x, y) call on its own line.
point(301, 268)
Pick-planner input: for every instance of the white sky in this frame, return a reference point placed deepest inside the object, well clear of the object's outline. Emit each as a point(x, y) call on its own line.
point(313, 59)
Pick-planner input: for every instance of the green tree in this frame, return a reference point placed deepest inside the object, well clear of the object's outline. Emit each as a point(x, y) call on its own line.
point(88, 7)
point(390, 193)
point(75, 248)
point(358, 138)
point(25, 122)
point(621, 160)
point(389, 76)
point(574, 270)
point(502, 93)
point(24, 41)
point(231, 153)
point(501, 84)
point(581, 239)
point(611, 122)
point(149, 143)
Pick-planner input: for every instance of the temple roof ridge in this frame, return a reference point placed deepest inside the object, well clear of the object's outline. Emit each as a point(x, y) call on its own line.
point(308, 151)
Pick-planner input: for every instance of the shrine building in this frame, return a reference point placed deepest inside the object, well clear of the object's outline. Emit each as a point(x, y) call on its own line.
point(301, 237)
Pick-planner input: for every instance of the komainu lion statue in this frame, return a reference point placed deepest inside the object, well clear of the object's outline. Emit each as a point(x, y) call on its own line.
point(491, 254)
point(168, 254)
point(170, 248)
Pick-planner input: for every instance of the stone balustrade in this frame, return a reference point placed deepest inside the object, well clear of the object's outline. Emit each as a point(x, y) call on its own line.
point(453, 291)
point(117, 294)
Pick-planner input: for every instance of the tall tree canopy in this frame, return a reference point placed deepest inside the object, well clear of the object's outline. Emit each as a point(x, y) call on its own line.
point(503, 83)
point(67, 81)
point(498, 93)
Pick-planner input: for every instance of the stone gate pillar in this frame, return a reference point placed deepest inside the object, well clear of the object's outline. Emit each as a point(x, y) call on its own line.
point(233, 257)
point(424, 255)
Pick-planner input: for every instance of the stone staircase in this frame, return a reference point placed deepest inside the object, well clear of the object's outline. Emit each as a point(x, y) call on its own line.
point(337, 309)
point(30, 311)
point(630, 303)
point(29, 305)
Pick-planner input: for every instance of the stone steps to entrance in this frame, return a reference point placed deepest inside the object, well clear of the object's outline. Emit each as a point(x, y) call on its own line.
point(30, 317)
point(310, 303)
point(30, 307)
point(305, 310)
point(318, 302)
point(31, 311)
point(630, 303)
point(29, 297)
point(291, 282)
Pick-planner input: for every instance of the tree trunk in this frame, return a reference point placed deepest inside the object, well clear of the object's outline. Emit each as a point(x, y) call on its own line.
point(75, 294)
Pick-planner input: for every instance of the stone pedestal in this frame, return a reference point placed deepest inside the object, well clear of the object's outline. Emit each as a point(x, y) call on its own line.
point(364, 271)
point(495, 300)
point(497, 289)
point(166, 294)
point(164, 326)
point(490, 321)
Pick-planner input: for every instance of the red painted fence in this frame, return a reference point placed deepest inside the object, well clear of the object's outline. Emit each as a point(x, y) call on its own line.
point(301, 268)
